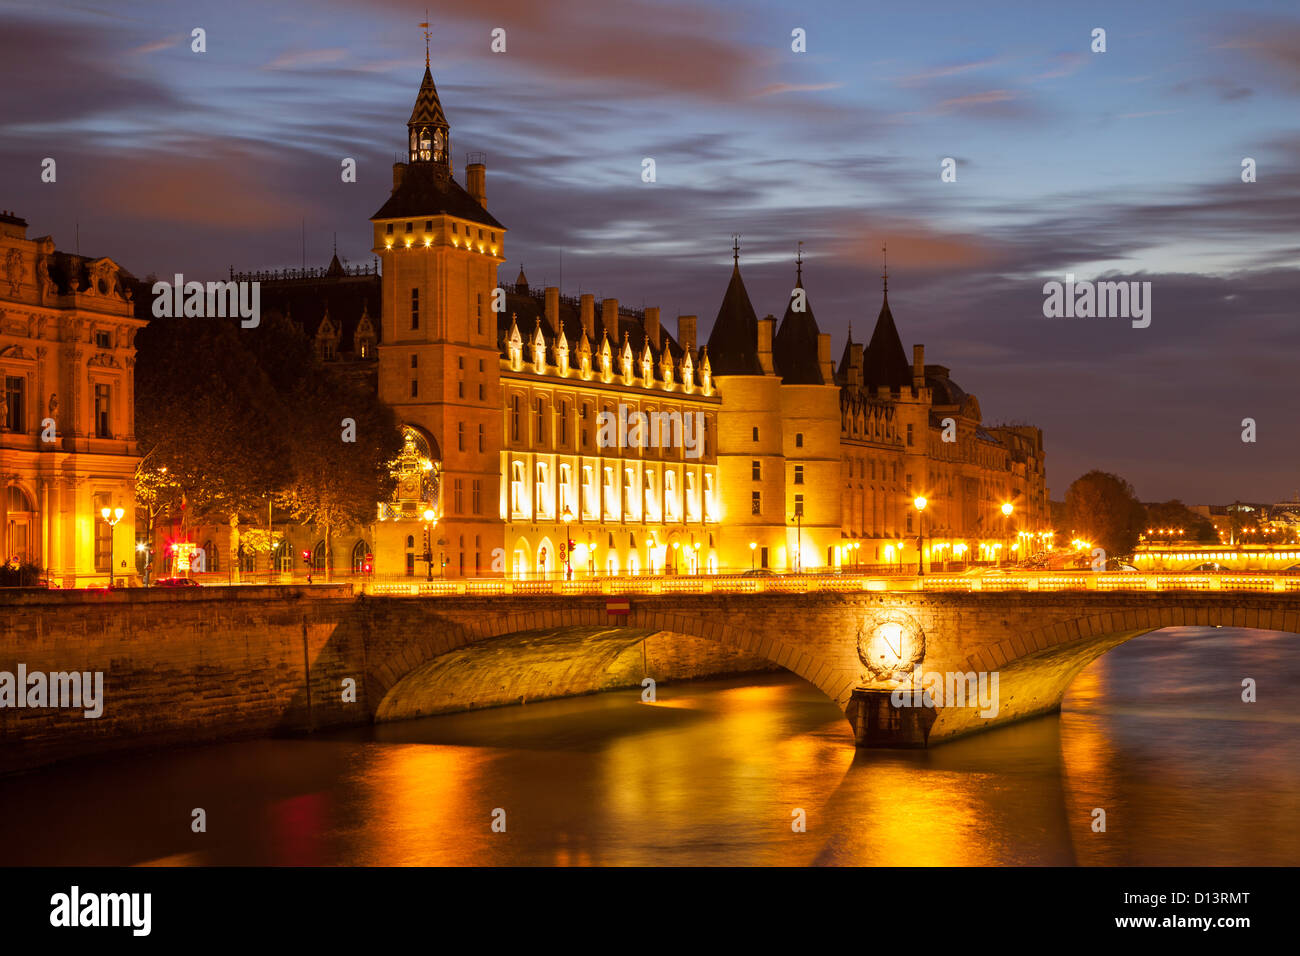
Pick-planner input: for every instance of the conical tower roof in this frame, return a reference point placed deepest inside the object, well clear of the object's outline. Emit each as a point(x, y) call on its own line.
point(794, 350)
point(733, 342)
point(428, 109)
point(885, 363)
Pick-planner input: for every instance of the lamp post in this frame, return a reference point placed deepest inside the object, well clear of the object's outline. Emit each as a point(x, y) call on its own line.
point(591, 555)
point(1006, 512)
point(568, 546)
point(920, 534)
point(428, 543)
point(798, 552)
point(857, 546)
point(696, 557)
point(112, 516)
point(753, 546)
point(144, 549)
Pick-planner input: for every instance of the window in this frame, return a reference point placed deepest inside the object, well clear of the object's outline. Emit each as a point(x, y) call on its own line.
point(755, 433)
point(540, 486)
point(103, 340)
point(763, 557)
point(415, 388)
point(586, 409)
point(756, 470)
point(390, 229)
point(540, 434)
point(415, 307)
point(410, 555)
point(101, 412)
point(455, 227)
point(428, 225)
point(480, 361)
point(798, 474)
point(476, 506)
point(460, 390)
point(480, 391)
point(410, 227)
point(514, 418)
point(460, 362)
point(415, 360)
point(908, 484)
point(756, 503)
point(480, 438)
point(15, 393)
point(909, 522)
point(458, 487)
point(798, 440)
point(460, 437)
point(103, 533)
point(798, 505)
point(564, 424)
point(909, 434)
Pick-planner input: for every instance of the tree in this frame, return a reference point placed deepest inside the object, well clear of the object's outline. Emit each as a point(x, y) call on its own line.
point(335, 482)
point(1175, 514)
point(1102, 509)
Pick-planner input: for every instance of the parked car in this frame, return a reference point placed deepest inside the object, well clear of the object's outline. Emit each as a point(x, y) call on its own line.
point(1212, 566)
point(758, 573)
point(1291, 569)
point(176, 583)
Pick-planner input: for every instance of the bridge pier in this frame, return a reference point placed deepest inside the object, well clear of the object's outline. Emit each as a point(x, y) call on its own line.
point(878, 723)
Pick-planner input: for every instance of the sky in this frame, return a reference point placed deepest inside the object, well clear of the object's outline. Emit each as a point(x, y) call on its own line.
point(1124, 164)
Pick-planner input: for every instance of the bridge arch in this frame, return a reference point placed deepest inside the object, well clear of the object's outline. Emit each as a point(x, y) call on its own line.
point(444, 664)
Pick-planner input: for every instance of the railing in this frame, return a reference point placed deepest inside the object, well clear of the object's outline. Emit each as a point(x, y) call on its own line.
point(833, 582)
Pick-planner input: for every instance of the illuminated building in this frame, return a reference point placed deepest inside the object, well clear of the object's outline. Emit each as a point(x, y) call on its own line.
point(67, 417)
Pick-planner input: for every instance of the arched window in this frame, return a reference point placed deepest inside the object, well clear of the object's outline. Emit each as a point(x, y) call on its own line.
point(20, 537)
point(410, 555)
point(210, 558)
point(359, 552)
point(319, 557)
point(247, 558)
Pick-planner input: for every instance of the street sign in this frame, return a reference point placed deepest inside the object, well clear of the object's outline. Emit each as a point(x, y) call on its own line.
point(618, 605)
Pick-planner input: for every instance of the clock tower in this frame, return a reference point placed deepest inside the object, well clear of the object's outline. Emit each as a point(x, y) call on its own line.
point(439, 364)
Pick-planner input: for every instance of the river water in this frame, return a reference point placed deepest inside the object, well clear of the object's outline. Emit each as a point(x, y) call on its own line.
point(1155, 733)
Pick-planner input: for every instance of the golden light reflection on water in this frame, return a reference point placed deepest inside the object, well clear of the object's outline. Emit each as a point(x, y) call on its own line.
point(1155, 733)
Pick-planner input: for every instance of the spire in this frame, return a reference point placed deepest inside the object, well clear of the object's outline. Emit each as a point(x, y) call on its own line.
point(735, 250)
point(734, 337)
point(429, 134)
point(794, 350)
point(884, 267)
point(521, 283)
point(798, 267)
point(884, 361)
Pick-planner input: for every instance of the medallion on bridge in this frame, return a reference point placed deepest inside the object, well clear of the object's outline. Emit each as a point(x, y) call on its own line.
point(890, 645)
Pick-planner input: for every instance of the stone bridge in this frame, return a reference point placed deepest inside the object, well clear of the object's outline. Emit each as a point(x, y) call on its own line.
point(432, 655)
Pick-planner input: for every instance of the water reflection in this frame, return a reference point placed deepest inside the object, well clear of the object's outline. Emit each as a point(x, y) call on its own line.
point(1155, 733)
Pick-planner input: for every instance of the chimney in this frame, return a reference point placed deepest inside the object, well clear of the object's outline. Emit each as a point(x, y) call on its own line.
point(918, 366)
point(553, 308)
point(765, 327)
point(587, 310)
point(476, 182)
point(609, 319)
point(651, 323)
point(686, 334)
point(824, 358)
point(399, 173)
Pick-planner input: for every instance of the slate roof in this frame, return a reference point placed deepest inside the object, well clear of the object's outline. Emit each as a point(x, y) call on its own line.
point(427, 190)
point(884, 363)
point(733, 342)
point(794, 350)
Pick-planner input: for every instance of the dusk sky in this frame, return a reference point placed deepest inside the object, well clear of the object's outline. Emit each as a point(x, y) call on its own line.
point(1126, 163)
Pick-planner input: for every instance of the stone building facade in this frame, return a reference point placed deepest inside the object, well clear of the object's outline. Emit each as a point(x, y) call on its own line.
point(67, 416)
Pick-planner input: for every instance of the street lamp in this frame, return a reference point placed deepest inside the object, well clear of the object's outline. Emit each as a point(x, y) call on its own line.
point(1006, 512)
point(857, 546)
point(798, 554)
point(920, 503)
point(112, 516)
point(428, 543)
point(568, 546)
point(676, 547)
point(753, 546)
point(591, 555)
point(696, 548)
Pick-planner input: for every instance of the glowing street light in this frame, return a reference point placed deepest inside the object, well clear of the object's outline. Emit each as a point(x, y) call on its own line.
point(429, 517)
point(753, 546)
point(920, 503)
point(1007, 508)
point(112, 516)
point(568, 546)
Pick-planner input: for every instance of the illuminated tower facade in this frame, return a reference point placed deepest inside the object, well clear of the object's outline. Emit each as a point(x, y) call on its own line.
point(438, 362)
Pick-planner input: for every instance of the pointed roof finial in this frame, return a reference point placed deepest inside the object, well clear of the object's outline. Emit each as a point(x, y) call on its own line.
point(735, 249)
point(884, 269)
point(427, 35)
point(798, 266)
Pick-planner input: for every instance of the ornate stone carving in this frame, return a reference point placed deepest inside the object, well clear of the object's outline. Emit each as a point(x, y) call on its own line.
point(890, 646)
point(14, 271)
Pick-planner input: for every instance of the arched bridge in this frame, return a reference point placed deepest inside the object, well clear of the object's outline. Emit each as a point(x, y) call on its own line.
point(988, 657)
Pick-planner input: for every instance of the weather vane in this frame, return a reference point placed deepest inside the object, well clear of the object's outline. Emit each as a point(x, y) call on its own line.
point(735, 248)
point(427, 35)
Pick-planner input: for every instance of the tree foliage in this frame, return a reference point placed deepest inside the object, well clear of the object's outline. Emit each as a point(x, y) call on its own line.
point(1175, 514)
point(1101, 508)
point(231, 418)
